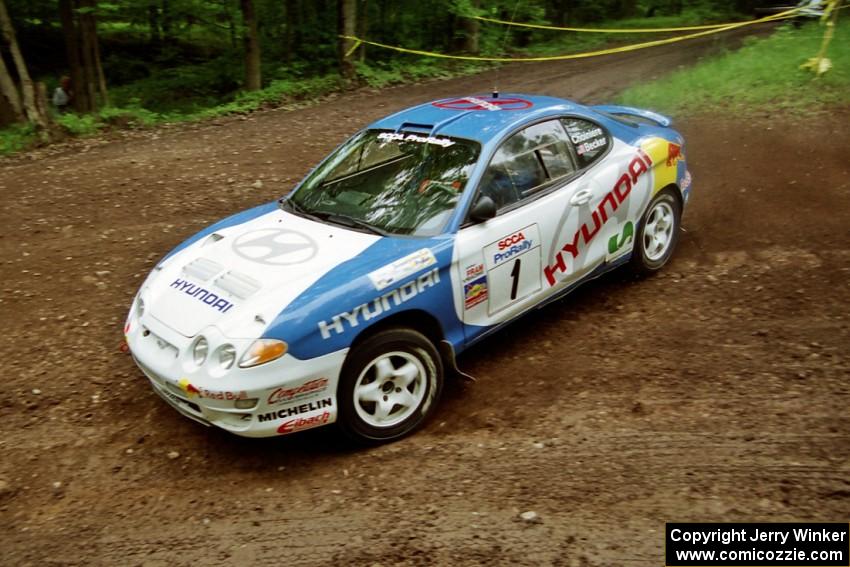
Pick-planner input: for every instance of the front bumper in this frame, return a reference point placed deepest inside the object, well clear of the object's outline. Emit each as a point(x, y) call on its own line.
point(279, 397)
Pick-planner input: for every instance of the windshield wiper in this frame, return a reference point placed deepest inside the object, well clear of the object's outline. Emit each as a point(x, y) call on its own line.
point(352, 222)
point(335, 218)
point(291, 206)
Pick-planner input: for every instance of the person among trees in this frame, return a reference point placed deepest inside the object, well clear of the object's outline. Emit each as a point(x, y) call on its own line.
point(63, 94)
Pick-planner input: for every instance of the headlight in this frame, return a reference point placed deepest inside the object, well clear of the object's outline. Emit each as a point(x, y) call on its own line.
point(226, 356)
point(140, 307)
point(262, 351)
point(199, 351)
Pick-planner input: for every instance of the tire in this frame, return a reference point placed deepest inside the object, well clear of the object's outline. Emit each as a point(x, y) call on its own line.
point(375, 403)
point(658, 233)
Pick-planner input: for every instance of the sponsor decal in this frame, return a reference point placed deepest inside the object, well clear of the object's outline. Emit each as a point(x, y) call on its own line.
point(188, 388)
point(590, 146)
point(302, 423)
point(296, 410)
point(398, 137)
point(473, 272)
point(686, 181)
point(512, 245)
point(618, 241)
point(383, 278)
point(275, 246)
point(202, 294)
point(475, 292)
point(613, 199)
point(306, 389)
point(484, 103)
point(584, 136)
point(382, 304)
point(674, 154)
point(192, 391)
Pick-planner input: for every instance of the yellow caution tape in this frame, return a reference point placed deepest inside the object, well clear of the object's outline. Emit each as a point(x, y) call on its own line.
point(609, 30)
point(620, 49)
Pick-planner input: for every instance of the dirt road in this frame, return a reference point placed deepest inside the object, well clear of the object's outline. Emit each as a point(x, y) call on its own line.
point(717, 390)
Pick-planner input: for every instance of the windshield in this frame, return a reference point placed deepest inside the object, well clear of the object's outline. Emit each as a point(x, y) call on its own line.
point(388, 182)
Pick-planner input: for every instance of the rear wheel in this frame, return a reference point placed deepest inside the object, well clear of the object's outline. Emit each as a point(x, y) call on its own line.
point(658, 233)
point(389, 385)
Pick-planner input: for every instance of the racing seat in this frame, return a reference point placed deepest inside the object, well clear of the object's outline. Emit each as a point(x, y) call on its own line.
point(497, 185)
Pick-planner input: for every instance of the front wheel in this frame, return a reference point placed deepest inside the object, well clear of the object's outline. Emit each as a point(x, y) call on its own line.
point(658, 233)
point(389, 385)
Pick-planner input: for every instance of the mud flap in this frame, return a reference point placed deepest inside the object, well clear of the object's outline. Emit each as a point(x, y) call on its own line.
point(448, 353)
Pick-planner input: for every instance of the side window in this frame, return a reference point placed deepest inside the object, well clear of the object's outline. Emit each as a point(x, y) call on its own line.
point(590, 139)
point(526, 162)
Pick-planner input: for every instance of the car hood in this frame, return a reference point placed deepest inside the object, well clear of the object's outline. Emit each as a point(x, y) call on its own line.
point(238, 278)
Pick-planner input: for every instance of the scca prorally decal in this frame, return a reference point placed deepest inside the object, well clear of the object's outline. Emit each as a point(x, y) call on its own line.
point(302, 423)
point(399, 137)
point(202, 294)
point(296, 410)
point(614, 198)
point(618, 241)
point(304, 390)
point(516, 243)
point(388, 275)
point(380, 305)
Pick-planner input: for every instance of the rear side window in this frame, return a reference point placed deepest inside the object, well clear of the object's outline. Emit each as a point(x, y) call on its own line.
point(590, 139)
point(526, 162)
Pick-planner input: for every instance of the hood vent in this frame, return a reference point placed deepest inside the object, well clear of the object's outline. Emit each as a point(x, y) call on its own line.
point(237, 284)
point(202, 269)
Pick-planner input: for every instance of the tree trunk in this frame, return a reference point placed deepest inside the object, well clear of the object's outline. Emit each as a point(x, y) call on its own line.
point(362, 27)
point(470, 28)
point(347, 26)
point(628, 8)
point(96, 77)
point(166, 21)
point(87, 57)
point(10, 94)
point(79, 94)
point(153, 24)
point(27, 88)
point(253, 78)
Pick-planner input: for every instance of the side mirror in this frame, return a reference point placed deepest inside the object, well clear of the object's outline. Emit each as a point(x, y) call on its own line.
point(483, 210)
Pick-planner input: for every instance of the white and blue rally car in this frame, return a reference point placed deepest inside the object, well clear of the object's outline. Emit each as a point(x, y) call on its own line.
point(348, 300)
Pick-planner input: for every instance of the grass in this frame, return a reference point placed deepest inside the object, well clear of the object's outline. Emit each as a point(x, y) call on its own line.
point(764, 73)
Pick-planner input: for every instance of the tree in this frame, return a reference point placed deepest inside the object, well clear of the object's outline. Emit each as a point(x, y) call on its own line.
point(253, 77)
point(33, 109)
point(347, 26)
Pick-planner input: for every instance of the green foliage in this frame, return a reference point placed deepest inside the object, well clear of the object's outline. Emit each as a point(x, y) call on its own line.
point(763, 72)
point(16, 138)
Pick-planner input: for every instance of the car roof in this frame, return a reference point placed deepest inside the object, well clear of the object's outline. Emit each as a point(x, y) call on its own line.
point(481, 117)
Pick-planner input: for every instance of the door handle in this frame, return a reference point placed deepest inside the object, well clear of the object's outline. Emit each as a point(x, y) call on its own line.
point(581, 197)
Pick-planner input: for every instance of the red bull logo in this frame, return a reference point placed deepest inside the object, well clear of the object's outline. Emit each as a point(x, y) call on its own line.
point(674, 154)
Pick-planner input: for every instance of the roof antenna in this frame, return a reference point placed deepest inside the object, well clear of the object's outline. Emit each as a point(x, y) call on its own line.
point(495, 92)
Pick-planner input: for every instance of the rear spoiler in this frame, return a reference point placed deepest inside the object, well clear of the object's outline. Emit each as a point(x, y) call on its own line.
point(626, 111)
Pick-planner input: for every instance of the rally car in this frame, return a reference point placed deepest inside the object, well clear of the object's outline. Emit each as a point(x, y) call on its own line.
point(348, 300)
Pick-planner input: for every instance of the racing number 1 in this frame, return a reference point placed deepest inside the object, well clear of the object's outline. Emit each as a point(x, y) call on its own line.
point(515, 278)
